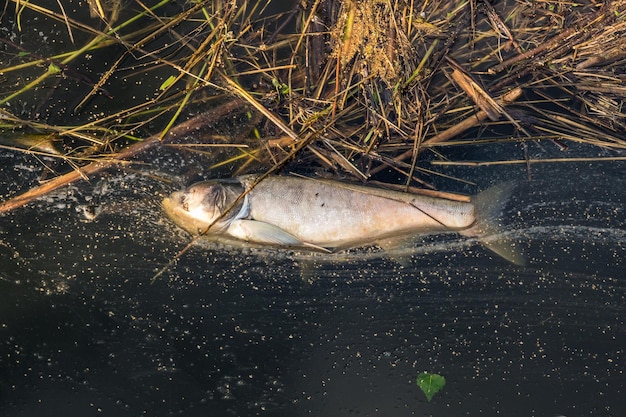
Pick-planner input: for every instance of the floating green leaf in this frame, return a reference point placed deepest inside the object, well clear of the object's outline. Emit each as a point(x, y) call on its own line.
point(430, 384)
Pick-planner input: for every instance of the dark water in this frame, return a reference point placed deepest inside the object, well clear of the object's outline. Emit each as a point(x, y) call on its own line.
point(83, 331)
point(227, 332)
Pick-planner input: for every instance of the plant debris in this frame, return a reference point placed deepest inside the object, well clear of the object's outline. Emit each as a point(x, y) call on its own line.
point(348, 87)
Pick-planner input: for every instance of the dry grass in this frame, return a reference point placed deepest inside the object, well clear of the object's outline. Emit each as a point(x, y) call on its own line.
point(352, 87)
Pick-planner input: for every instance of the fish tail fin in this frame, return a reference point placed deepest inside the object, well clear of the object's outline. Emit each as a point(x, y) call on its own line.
point(488, 229)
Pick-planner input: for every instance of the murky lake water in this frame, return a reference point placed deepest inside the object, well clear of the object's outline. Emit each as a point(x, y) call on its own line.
point(231, 332)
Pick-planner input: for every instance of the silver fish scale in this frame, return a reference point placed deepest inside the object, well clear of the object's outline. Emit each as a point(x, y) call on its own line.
point(331, 214)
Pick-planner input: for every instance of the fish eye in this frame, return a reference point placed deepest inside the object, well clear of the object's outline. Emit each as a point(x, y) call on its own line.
point(183, 202)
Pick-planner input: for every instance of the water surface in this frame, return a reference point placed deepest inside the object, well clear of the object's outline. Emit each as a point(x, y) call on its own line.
point(83, 331)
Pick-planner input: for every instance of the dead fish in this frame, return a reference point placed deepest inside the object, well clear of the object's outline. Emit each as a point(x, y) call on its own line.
point(330, 215)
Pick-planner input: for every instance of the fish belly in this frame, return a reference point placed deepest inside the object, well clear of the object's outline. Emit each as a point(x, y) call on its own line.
point(333, 214)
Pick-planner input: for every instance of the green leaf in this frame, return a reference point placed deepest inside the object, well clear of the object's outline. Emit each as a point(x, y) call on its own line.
point(430, 384)
point(167, 83)
point(54, 69)
point(281, 88)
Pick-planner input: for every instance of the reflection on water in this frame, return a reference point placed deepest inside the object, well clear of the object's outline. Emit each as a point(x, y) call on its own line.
point(239, 332)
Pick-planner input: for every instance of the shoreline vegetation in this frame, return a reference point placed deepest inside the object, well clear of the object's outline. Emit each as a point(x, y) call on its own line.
point(352, 88)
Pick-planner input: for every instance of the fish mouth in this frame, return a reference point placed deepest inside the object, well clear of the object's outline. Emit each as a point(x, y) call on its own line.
point(174, 210)
point(191, 221)
point(168, 205)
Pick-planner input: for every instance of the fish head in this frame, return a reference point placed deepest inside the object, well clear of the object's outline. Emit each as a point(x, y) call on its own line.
point(206, 207)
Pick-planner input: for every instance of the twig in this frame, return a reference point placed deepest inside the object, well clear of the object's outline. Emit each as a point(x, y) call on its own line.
point(478, 95)
point(526, 161)
point(475, 120)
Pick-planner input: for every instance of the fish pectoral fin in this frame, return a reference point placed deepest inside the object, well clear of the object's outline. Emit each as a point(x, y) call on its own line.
point(261, 232)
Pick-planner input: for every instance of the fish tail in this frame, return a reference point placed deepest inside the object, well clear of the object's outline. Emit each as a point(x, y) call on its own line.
point(488, 228)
